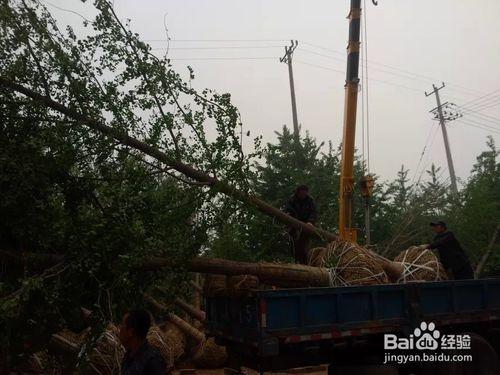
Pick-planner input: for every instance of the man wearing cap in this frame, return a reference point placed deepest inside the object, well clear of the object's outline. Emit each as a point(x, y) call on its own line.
point(451, 254)
point(301, 206)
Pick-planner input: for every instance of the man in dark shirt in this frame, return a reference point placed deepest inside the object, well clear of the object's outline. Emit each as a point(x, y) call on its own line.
point(301, 206)
point(140, 357)
point(451, 254)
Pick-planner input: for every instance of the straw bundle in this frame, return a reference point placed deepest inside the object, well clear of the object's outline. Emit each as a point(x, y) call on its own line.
point(108, 353)
point(210, 355)
point(316, 257)
point(73, 337)
point(170, 342)
point(420, 264)
point(350, 264)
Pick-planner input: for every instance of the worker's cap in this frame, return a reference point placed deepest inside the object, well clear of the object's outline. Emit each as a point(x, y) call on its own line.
point(302, 188)
point(436, 223)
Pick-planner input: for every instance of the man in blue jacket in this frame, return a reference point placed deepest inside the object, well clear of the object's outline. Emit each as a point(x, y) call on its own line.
point(451, 254)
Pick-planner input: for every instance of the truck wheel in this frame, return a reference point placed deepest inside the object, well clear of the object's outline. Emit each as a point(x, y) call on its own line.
point(362, 370)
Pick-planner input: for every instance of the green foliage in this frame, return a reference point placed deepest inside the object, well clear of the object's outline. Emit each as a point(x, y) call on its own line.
point(103, 207)
point(98, 204)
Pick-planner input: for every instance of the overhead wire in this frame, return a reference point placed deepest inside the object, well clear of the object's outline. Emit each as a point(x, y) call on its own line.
point(457, 87)
point(422, 154)
point(428, 155)
point(492, 103)
point(474, 101)
point(217, 48)
point(218, 40)
point(370, 79)
point(481, 116)
point(481, 124)
point(222, 58)
point(465, 122)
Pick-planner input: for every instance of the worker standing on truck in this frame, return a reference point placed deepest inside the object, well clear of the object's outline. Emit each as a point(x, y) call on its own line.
point(301, 206)
point(451, 254)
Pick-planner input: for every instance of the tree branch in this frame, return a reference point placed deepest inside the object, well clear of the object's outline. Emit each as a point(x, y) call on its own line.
point(185, 169)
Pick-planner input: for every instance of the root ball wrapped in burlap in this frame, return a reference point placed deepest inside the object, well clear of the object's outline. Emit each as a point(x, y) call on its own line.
point(210, 355)
point(316, 257)
point(107, 354)
point(420, 264)
point(350, 264)
point(170, 342)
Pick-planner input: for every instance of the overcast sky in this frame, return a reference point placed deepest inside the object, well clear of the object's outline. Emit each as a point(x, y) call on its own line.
point(411, 45)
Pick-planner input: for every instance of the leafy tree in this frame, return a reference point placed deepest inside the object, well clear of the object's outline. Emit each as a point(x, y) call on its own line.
point(96, 205)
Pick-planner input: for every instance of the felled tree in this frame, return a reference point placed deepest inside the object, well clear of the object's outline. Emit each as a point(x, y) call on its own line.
point(100, 204)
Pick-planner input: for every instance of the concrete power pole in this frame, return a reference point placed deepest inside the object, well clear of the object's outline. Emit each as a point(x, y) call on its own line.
point(442, 122)
point(287, 58)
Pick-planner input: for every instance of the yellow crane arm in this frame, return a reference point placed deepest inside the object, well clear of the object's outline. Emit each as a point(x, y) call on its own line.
point(346, 229)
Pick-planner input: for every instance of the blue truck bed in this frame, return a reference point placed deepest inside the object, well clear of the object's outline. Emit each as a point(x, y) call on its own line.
point(266, 324)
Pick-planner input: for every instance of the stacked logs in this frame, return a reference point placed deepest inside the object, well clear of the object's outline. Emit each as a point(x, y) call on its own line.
point(339, 263)
point(176, 340)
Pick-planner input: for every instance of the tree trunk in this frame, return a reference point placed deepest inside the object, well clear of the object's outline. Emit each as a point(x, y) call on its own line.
point(283, 275)
point(486, 255)
point(185, 169)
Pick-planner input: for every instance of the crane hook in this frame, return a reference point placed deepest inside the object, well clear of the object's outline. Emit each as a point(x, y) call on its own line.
point(375, 2)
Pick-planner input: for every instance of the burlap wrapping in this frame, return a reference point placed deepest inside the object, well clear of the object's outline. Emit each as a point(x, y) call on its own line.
point(420, 264)
point(210, 355)
point(350, 264)
point(316, 257)
point(107, 354)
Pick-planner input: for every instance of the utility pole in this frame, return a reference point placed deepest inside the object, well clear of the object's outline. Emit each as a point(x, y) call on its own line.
point(442, 122)
point(287, 58)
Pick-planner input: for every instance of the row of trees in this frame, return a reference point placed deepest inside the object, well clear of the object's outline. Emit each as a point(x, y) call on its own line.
point(101, 206)
point(400, 210)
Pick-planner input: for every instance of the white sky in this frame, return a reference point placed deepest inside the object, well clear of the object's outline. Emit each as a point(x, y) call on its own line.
point(455, 41)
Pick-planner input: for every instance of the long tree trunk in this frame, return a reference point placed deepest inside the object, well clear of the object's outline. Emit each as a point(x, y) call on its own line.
point(185, 169)
point(284, 275)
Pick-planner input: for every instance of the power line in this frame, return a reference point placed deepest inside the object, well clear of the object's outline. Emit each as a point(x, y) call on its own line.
point(479, 99)
point(379, 69)
point(215, 48)
point(428, 155)
point(482, 116)
point(222, 58)
point(491, 103)
point(217, 40)
point(422, 154)
point(465, 122)
point(320, 66)
point(485, 126)
point(421, 76)
point(370, 79)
